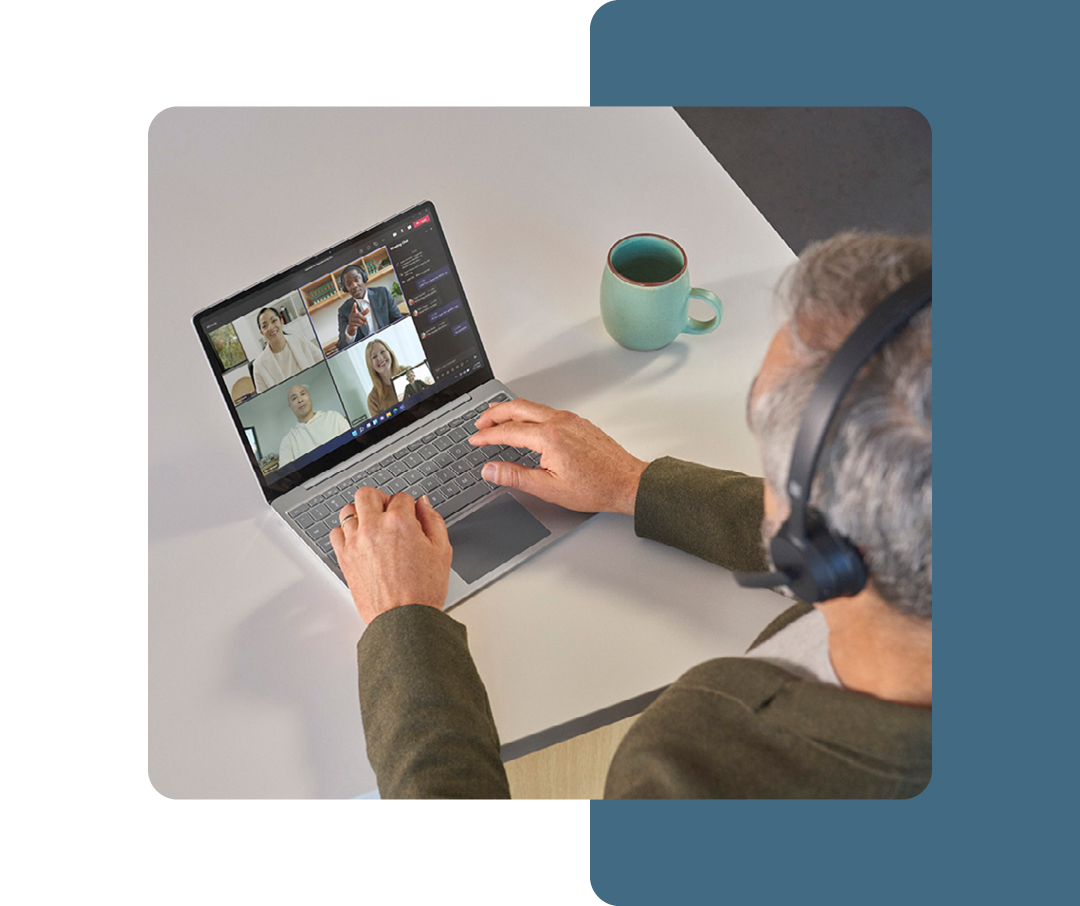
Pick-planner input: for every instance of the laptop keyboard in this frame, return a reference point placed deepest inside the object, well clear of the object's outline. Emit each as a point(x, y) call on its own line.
point(441, 464)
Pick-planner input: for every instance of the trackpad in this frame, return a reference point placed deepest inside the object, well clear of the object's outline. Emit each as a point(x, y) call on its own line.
point(495, 533)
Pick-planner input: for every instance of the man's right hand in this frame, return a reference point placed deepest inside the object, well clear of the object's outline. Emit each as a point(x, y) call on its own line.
point(581, 468)
point(357, 318)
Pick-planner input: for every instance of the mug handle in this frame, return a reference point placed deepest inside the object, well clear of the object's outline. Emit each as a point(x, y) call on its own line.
point(693, 325)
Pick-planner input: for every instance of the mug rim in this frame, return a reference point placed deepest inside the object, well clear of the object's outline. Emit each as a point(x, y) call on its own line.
point(618, 242)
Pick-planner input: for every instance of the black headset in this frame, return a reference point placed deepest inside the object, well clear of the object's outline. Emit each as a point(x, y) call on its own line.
point(811, 559)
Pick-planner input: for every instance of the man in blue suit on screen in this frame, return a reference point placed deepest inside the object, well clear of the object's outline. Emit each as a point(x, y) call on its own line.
point(366, 310)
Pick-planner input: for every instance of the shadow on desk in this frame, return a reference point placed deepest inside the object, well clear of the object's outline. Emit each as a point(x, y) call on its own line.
point(572, 380)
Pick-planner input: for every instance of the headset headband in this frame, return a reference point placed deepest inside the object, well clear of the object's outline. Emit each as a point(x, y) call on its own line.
point(873, 333)
point(815, 563)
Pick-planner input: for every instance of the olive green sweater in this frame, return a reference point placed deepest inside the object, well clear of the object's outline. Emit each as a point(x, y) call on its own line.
point(728, 728)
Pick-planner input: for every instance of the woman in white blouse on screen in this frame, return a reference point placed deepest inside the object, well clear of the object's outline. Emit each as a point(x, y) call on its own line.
point(284, 355)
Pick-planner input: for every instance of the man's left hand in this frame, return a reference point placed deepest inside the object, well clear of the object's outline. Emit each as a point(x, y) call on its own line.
point(393, 551)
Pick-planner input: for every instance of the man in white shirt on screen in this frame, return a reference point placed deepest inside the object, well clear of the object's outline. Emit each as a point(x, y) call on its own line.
point(313, 429)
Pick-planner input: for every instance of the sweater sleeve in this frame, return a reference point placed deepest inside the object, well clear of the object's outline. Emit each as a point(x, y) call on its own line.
point(710, 513)
point(427, 721)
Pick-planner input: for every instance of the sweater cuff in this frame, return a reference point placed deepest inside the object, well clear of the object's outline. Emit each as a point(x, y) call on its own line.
point(711, 513)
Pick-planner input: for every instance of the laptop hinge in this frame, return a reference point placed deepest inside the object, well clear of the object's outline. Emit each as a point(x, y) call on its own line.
point(383, 445)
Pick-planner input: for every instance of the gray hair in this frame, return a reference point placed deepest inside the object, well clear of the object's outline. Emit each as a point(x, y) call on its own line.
point(874, 480)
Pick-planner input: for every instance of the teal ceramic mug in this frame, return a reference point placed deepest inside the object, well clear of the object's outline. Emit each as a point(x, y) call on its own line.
point(645, 293)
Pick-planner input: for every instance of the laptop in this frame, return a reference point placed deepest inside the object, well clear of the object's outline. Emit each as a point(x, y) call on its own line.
point(363, 365)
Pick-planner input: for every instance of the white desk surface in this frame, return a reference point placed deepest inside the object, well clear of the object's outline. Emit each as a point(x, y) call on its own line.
point(252, 663)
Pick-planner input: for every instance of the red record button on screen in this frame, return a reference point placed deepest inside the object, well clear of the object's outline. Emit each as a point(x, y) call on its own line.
point(425, 219)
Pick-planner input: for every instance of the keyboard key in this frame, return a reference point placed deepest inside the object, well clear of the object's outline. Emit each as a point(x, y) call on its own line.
point(442, 429)
point(413, 460)
point(397, 485)
point(320, 511)
point(459, 501)
point(443, 459)
point(443, 443)
point(304, 520)
point(296, 511)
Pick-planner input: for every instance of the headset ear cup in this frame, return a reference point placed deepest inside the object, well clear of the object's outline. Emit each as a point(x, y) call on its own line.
point(838, 567)
point(819, 567)
point(790, 557)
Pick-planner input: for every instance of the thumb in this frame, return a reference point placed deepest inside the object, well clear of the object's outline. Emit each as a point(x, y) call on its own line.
point(431, 522)
point(511, 475)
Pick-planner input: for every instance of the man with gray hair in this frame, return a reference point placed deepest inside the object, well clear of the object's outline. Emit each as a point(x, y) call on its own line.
point(833, 700)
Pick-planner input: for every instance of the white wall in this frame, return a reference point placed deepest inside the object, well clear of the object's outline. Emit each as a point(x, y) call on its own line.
point(351, 376)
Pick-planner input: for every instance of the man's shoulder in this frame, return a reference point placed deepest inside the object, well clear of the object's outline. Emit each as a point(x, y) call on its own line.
point(745, 728)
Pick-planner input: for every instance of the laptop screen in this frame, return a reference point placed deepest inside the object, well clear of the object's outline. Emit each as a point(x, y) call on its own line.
point(349, 346)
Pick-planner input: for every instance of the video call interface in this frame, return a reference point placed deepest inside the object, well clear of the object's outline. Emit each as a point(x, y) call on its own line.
point(343, 344)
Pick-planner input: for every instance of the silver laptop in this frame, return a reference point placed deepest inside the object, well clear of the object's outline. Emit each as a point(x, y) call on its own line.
point(362, 365)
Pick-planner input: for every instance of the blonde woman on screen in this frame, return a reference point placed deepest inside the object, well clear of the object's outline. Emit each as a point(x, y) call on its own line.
point(382, 365)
